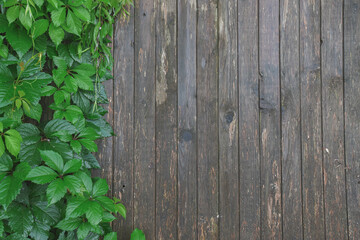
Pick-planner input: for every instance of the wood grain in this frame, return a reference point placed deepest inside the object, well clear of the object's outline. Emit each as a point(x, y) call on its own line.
point(187, 131)
point(333, 119)
point(166, 121)
point(312, 170)
point(352, 113)
point(290, 120)
point(207, 116)
point(228, 121)
point(124, 120)
point(144, 117)
point(249, 152)
point(270, 144)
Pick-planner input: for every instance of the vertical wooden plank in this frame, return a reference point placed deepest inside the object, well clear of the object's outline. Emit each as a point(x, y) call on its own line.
point(124, 120)
point(144, 89)
point(290, 120)
point(207, 114)
point(352, 113)
point(187, 165)
point(312, 180)
point(270, 144)
point(166, 121)
point(249, 156)
point(333, 119)
point(228, 121)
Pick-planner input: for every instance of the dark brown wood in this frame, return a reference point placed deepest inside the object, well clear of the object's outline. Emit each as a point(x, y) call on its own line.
point(187, 158)
point(144, 117)
point(312, 170)
point(207, 117)
point(290, 120)
point(270, 144)
point(228, 121)
point(166, 120)
point(249, 152)
point(333, 119)
point(124, 120)
point(352, 113)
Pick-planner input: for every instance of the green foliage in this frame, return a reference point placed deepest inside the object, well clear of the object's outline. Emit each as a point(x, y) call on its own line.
point(54, 57)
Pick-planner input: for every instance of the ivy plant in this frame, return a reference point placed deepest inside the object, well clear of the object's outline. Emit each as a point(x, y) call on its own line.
point(54, 57)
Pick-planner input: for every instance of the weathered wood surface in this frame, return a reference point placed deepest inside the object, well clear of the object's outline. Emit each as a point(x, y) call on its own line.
point(236, 119)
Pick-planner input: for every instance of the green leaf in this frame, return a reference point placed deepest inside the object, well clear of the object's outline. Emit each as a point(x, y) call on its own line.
point(83, 230)
point(4, 51)
point(111, 236)
point(75, 145)
point(40, 231)
point(57, 125)
point(49, 214)
point(120, 208)
point(107, 203)
point(69, 224)
point(94, 212)
point(39, 27)
point(137, 234)
point(41, 175)
point(56, 34)
point(35, 112)
point(108, 217)
point(72, 183)
point(22, 170)
point(2, 148)
point(13, 141)
point(13, 13)
point(20, 218)
point(53, 160)
point(100, 188)
point(56, 190)
point(82, 13)
point(85, 69)
point(3, 23)
point(1, 227)
point(29, 133)
point(72, 166)
point(9, 189)
point(6, 163)
point(86, 181)
point(89, 144)
point(58, 16)
point(19, 40)
point(73, 23)
point(77, 206)
point(25, 18)
point(84, 82)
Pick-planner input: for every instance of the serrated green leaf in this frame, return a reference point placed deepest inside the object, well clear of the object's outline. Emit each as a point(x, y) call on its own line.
point(94, 212)
point(25, 18)
point(10, 187)
point(111, 236)
point(58, 16)
point(120, 208)
point(22, 170)
point(84, 82)
point(89, 144)
point(86, 181)
point(72, 166)
point(83, 230)
point(72, 183)
point(20, 218)
point(82, 13)
point(6, 163)
point(55, 191)
point(100, 188)
point(108, 217)
point(137, 234)
point(69, 224)
point(2, 148)
point(53, 160)
point(13, 13)
point(19, 40)
point(40, 231)
point(35, 112)
point(49, 214)
point(106, 203)
point(41, 175)
point(13, 141)
point(57, 125)
point(39, 27)
point(77, 206)
point(56, 34)
point(29, 133)
point(73, 23)
point(75, 145)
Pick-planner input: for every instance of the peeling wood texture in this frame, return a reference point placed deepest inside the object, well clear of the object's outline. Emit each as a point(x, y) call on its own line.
point(236, 119)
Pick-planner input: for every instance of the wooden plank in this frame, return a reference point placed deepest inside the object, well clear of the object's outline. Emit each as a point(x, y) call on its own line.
point(124, 120)
point(270, 144)
point(144, 89)
point(249, 152)
point(166, 121)
point(187, 159)
point(228, 121)
point(290, 120)
point(333, 119)
point(312, 170)
point(207, 115)
point(352, 113)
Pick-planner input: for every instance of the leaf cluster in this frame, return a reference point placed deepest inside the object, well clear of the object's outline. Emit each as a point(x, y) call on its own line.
point(54, 57)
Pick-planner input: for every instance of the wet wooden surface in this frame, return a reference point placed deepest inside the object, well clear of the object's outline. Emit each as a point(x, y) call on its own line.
point(236, 119)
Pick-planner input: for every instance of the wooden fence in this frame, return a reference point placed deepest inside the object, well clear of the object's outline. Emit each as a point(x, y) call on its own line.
point(236, 119)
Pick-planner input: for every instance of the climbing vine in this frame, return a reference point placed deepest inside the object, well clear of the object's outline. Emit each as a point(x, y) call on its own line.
point(54, 57)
